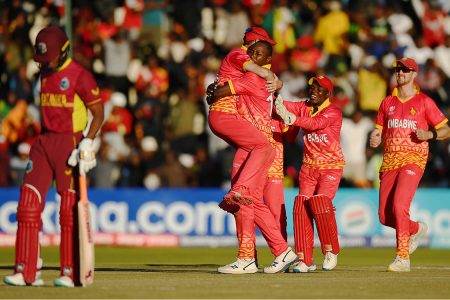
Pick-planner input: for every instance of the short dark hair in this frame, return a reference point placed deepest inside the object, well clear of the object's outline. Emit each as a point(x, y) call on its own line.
point(266, 44)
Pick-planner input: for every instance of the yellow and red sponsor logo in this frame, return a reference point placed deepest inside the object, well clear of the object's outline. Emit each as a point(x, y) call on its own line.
point(95, 91)
point(55, 100)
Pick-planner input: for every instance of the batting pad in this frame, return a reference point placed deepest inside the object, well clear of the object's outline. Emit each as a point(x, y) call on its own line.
point(324, 215)
point(29, 225)
point(303, 230)
point(69, 245)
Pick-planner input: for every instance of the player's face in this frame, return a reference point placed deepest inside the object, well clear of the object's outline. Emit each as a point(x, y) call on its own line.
point(317, 94)
point(259, 54)
point(51, 66)
point(404, 75)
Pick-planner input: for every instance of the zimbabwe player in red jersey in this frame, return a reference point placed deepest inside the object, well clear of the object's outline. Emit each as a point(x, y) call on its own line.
point(226, 123)
point(255, 106)
point(67, 91)
point(322, 168)
point(401, 117)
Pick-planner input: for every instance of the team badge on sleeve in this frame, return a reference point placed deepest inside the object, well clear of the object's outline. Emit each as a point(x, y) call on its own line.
point(65, 84)
point(29, 167)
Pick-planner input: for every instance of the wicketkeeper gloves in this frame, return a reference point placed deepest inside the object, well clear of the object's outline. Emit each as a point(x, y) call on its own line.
point(85, 155)
point(287, 116)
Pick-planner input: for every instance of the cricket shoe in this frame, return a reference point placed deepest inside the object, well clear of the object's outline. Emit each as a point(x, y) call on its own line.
point(238, 195)
point(240, 266)
point(400, 265)
point(229, 207)
point(64, 281)
point(282, 262)
point(330, 261)
point(303, 268)
point(18, 280)
point(414, 240)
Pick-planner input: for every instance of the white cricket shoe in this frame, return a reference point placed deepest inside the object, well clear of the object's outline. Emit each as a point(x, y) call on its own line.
point(64, 281)
point(240, 266)
point(330, 261)
point(414, 240)
point(400, 265)
point(282, 262)
point(18, 280)
point(303, 268)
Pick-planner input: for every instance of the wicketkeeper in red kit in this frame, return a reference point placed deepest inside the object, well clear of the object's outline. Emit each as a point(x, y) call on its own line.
point(225, 121)
point(67, 92)
point(319, 178)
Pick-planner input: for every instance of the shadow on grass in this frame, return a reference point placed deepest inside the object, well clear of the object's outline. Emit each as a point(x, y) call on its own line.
point(153, 268)
point(166, 268)
point(43, 268)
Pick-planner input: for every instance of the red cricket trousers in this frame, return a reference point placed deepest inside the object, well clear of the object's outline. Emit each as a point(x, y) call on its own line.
point(319, 182)
point(48, 160)
point(269, 216)
point(397, 189)
point(242, 134)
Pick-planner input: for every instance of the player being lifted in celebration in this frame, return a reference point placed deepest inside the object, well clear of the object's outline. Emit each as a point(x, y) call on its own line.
point(226, 123)
point(319, 178)
point(402, 118)
point(67, 91)
point(255, 106)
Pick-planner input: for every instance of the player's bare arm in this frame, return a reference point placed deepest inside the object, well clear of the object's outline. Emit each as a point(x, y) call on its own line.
point(96, 110)
point(273, 83)
point(375, 138)
point(221, 91)
point(440, 134)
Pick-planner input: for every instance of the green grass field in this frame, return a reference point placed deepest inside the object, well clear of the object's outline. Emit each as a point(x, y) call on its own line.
point(191, 273)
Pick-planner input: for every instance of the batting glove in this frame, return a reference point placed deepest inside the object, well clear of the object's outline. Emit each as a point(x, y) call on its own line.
point(85, 155)
point(287, 116)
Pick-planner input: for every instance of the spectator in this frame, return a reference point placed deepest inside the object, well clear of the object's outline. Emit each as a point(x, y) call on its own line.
point(237, 22)
point(18, 164)
point(117, 58)
point(153, 79)
point(372, 84)
point(172, 173)
point(331, 32)
point(433, 21)
point(353, 141)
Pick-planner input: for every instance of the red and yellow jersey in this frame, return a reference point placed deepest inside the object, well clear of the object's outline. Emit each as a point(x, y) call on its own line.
point(399, 119)
point(65, 94)
point(321, 134)
point(232, 67)
point(255, 102)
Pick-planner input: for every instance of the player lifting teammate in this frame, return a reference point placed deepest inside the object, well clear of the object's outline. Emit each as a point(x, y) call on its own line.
point(255, 107)
point(226, 123)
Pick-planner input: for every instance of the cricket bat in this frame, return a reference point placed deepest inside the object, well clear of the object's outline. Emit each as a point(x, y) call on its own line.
point(86, 238)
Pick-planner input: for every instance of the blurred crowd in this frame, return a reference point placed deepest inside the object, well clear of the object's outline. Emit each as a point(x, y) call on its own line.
point(154, 58)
